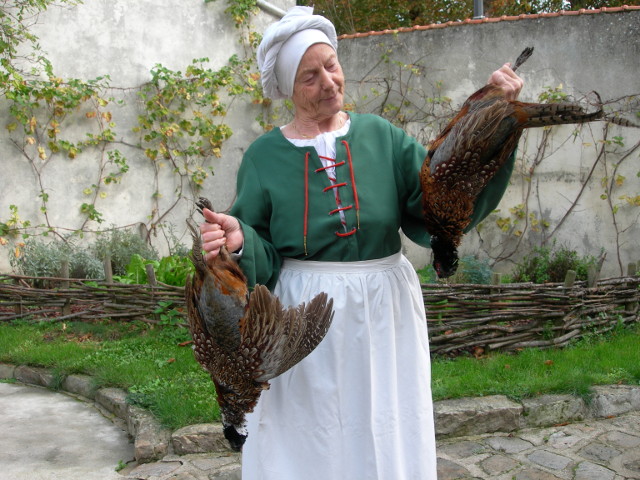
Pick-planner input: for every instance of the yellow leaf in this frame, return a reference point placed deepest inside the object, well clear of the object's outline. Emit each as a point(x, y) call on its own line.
point(12, 126)
point(3, 241)
point(31, 140)
point(103, 195)
point(32, 124)
point(42, 153)
point(90, 114)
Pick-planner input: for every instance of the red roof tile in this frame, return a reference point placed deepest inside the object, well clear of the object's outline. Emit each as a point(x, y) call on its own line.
point(503, 18)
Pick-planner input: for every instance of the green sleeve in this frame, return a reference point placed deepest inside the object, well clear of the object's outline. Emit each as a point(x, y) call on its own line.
point(409, 155)
point(260, 260)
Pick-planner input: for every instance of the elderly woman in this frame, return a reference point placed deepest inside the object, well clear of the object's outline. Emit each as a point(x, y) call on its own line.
point(320, 203)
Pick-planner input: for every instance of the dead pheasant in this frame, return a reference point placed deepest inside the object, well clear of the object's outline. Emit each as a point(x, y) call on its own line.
point(245, 339)
point(469, 152)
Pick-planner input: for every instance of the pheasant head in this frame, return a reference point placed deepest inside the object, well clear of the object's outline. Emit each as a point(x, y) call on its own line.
point(445, 256)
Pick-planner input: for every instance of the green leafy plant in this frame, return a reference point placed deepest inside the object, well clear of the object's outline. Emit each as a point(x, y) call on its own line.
point(553, 95)
point(136, 272)
point(470, 270)
point(182, 121)
point(169, 315)
point(550, 264)
point(171, 270)
point(121, 245)
point(16, 18)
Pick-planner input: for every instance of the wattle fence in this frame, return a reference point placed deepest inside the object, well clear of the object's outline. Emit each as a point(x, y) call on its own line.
point(462, 318)
point(480, 318)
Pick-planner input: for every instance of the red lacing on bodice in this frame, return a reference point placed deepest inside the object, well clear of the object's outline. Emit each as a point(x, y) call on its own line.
point(336, 189)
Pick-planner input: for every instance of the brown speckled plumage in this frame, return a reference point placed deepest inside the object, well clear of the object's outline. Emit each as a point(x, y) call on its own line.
point(244, 339)
point(468, 153)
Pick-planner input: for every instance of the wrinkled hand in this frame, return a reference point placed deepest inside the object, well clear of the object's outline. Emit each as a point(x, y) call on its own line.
point(220, 230)
point(507, 79)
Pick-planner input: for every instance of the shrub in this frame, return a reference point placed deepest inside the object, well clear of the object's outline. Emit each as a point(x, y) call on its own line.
point(550, 265)
point(44, 259)
point(122, 245)
point(470, 270)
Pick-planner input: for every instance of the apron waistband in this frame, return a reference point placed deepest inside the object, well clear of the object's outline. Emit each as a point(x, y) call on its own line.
point(363, 266)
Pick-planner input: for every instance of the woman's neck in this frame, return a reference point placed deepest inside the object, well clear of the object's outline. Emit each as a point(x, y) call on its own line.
point(311, 128)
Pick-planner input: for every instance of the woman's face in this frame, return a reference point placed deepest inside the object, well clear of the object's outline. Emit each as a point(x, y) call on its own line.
point(318, 90)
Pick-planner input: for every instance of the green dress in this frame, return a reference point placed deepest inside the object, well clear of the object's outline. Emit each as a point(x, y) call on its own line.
point(286, 205)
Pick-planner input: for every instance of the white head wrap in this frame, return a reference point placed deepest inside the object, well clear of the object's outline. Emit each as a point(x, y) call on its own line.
point(283, 45)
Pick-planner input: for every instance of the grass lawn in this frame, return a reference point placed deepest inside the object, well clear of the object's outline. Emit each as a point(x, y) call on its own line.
point(157, 368)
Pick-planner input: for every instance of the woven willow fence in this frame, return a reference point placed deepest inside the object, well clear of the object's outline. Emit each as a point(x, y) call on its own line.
point(461, 318)
point(515, 316)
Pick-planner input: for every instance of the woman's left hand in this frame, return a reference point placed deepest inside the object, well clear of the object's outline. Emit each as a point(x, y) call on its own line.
point(507, 79)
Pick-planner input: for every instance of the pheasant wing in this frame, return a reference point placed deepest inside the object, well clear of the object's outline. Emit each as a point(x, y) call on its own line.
point(278, 338)
point(475, 144)
point(470, 154)
point(309, 325)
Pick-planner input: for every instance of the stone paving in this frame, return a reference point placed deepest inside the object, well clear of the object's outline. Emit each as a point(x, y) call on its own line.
point(602, 449)
point(598, 449)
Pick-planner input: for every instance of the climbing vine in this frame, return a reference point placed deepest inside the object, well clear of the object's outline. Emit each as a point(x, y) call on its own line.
point(181, 125)
point(40, 111)
point(526, 222)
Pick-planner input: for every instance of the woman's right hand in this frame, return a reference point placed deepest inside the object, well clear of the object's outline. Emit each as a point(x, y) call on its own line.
point(219, 230)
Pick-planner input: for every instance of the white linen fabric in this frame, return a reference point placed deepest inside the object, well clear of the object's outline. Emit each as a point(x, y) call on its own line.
point(359, 406)
point(291, 54)
point(297, 19)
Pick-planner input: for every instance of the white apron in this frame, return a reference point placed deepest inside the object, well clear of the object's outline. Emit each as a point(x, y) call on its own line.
point(359, 406)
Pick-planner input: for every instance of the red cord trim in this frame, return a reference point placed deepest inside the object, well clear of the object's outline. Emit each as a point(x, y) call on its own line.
point(332, 212)
point(346, 234)
point(353, 182)
point(339, 164)
point(306, 202)
point(337, 185)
